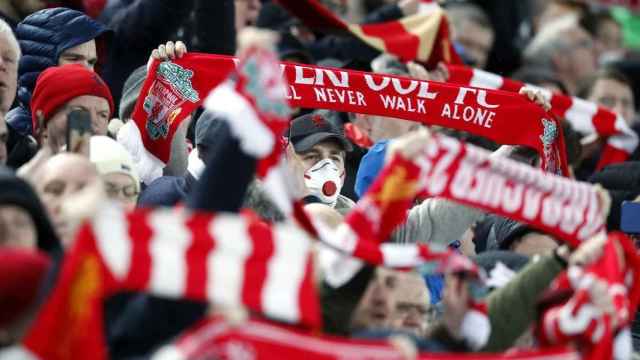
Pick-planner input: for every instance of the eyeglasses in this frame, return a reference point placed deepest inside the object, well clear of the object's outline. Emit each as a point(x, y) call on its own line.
point(129, 191)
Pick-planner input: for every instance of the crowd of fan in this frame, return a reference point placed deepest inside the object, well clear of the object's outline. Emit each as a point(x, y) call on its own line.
point(92, 55)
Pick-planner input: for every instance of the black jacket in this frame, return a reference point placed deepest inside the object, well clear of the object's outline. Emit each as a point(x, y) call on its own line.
point(139, 26)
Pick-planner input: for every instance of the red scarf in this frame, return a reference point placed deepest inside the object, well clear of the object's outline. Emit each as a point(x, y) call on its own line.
point(573, 318)
point(584, 116)
point(422, 37)
point(257, 339)
point(168, 97)
point(566, 209)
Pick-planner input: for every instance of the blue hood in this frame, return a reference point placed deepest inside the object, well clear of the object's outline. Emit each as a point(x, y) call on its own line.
point(43, 36)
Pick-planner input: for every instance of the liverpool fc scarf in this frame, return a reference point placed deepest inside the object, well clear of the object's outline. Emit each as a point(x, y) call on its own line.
point(422, 37)
point(584, 116)
point(173, 89)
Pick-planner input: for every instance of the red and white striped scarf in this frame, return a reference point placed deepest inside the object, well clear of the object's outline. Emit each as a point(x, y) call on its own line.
point(228, 260)
point(585, 117)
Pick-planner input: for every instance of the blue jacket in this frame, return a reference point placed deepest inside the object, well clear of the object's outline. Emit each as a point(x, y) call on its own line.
point(43, 36)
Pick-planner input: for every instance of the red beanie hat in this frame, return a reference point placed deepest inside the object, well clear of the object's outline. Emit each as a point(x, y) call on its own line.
point(21, 275)
point(59, 84)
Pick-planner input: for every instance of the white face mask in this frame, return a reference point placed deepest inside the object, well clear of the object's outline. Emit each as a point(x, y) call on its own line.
point(324, 181)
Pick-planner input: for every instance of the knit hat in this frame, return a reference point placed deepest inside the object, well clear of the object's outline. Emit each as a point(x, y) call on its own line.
point(21, 275)
point(16, 191)
point(109, 157)
point(60, 84)
point(131, 91)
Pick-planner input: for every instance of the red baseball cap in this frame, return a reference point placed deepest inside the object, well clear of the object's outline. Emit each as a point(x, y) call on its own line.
point(60, 84)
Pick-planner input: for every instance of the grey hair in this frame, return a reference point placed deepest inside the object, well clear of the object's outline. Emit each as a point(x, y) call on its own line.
point(549, 41)
point(458, 13)
point(5, 28)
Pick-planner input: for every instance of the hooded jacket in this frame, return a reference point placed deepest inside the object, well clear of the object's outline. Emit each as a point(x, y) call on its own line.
point(15, 191)
point(622, 181)
point(43, 36)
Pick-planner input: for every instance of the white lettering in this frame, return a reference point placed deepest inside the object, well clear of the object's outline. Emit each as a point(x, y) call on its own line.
point(388, 101)
point(462, 93)
point(532, 199)
point(372, 84)
point(424, 91)
point(446, 111)
point(300, 79)
point(397, 84)
point(321, 95)
point(467, 113)
point(482, 100)
point(512, 198)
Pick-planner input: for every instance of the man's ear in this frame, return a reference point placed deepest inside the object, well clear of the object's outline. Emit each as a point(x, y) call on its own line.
point(560, 62)
point(363, 122)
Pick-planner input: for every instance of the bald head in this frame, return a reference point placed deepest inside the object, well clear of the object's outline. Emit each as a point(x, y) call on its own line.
point(58, 180)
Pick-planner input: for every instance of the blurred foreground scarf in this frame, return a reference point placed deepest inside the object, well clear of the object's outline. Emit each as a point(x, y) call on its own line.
point(256, 339)
point(228, 260)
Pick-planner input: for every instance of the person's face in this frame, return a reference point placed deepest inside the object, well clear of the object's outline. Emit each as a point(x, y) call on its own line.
point(246, 12)
point(534, 244)
point(467, 247)
point(17, 228)
point(615, 96)
point(27, 7)
point(384, 128)
point(84, 54)
point(580, 55)
point(4, 137)
point(8, 72)
point(321, 151)
point(477, 42)
point(411, 305)
point(377, 303)
point(63, 176)
point(609, 37)
point(122, 188)
point(97, 107)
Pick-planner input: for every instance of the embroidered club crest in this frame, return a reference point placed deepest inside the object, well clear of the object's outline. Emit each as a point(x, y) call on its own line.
point(548, 138)
point(170, 90)
point(550, 132)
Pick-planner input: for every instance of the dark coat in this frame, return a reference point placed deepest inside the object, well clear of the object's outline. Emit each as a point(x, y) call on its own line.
point(622, 180)
point(43, 37)
point(139, 26)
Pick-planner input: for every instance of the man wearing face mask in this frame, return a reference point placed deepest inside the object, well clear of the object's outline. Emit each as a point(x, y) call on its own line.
point(321, 148)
